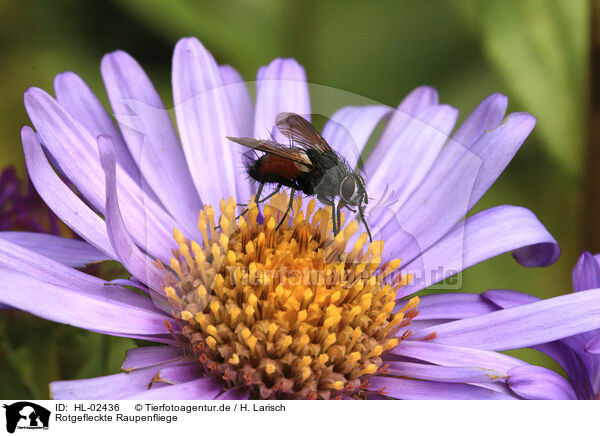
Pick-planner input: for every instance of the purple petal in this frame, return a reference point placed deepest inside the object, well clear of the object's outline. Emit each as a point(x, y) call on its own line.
point(178, 374)
point(59, 197)
point(572, 363)
point(233, 394)
point(203, 389)
point(593, 345)
point(444, 374)
point(537, 383)
point(80, 102)
point(24, 260)
point(348, 129)
point(451, 306)
point(448, 355)
point(144, 357)
point(496, 149)
point(412, 153)
point(478, 238)
point(82, 308)
point(565, 352)
point(239, 99)
point(110, 387)
point(506, 298)
point(151, 137)
point(70, 252)
point(586, 274)
point(76, 152)
point(487, 115)
point(280, 87)
point(132, 258)
point(205, 118)
point(426, 390)
point(409, 109)
point(523, 326)
point(457, 180)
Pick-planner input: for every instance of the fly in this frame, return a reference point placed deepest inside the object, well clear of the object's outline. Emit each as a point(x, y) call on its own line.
point(307, 165)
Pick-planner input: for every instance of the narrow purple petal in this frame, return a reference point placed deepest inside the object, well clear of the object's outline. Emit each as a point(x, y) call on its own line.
point(523, 326)
point(572, 363)
point(448, 355)
point(480, 237)
point(178, 374)
point(151, 137)
point(426, 390)
point(586, 274)
point(77, 307)
point(205, 118)
point(566, 352)
point(457, 180)
point(59, 197)
point(76, 152)
point(280, 87)
point(348, 129)
point(451, 306)
point(132, 258)
point(144, 357)
point(537, 383)
point(242, 107)
point(593, 345)
point(80, 102)
point(505, 298)
point(412, 153)
point(203, 389)
point(70, 252)
point(110, 387)
point(443, 373)
point(24, 260)
point(409, 109)
point(486, 116)
point(239, 98)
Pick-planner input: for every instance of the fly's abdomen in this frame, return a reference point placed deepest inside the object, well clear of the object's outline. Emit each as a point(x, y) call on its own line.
point(271, 168)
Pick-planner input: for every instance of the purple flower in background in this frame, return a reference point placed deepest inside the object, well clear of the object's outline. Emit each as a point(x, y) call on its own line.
point(151, 198)
point(22, 209)
point(578, 354)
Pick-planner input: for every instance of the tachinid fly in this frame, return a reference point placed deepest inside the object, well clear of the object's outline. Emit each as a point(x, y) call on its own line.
point(308, 164)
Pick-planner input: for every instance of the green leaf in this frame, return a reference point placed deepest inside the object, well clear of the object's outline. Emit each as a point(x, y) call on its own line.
point(246, 36)
point(539, 48)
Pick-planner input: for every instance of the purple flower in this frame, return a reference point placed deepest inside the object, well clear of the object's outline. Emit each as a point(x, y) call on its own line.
point(151, 198)
point(578, 354)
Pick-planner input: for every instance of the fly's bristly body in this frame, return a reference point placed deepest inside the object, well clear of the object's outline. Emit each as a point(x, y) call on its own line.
point(308, 165)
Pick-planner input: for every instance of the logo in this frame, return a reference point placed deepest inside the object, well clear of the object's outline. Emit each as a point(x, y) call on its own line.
point(26, 415)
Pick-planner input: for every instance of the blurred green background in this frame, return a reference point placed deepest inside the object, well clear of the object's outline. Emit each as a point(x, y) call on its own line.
point(535, 51)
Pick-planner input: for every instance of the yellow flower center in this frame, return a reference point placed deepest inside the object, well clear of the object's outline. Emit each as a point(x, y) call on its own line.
point(285, 312)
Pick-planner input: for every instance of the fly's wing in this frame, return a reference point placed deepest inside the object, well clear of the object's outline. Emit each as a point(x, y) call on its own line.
point(292, 153)
point(301, 132)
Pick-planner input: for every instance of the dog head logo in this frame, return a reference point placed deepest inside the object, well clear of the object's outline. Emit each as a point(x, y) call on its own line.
point(26, 415)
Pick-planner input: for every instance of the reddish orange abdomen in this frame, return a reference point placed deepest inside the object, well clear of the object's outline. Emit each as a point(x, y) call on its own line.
point(273, 164)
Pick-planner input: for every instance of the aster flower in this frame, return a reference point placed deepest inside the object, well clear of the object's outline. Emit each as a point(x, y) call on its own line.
point(577, 354)
point(152, 199)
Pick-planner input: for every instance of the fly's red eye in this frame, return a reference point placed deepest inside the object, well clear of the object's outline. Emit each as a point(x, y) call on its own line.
point(347, 189)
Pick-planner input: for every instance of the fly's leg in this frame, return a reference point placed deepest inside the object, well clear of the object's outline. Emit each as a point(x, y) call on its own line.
point(339, 216)
point(256, 200)
point(333, 220)
point(292, 192)
point(361, 212)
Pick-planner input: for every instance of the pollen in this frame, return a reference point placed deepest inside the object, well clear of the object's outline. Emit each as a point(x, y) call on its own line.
point(285, 311)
